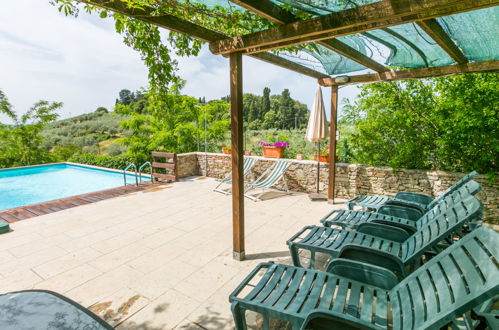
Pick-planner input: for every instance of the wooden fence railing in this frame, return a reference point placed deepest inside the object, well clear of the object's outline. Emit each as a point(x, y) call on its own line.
point(164, 166)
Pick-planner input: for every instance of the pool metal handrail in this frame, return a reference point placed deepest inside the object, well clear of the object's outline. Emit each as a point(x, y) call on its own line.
point(124, 173)
point(140, 171)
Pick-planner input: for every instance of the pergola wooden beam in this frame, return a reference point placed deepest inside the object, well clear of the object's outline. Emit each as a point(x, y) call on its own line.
point(290, 65)
point(166, 21)
point(437, 33)
point(381, 14)
point(176, 24)
point(279, 15)
point(488, 66)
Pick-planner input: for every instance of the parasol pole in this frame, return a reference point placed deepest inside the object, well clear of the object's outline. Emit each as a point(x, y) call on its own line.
point(318, 164)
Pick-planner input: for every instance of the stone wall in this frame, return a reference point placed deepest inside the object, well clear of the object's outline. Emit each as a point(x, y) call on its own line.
point(351, 179)
point(187, 164)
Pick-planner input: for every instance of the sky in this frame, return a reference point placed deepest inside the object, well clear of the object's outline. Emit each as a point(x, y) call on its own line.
point(83, 63)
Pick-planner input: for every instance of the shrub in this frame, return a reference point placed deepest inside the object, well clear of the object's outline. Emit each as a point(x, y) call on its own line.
point(116, 162)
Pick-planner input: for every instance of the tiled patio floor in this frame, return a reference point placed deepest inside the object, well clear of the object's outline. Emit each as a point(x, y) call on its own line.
point(158, 259)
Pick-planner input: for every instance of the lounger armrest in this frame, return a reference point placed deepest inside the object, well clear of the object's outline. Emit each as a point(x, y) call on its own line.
point(326, 219)
point(248, 278)
point(290, 241)
point(327, 319)
point(374, 257)
point(363, 272)
point(414, 197)
point(383, 231)
point(401, 211)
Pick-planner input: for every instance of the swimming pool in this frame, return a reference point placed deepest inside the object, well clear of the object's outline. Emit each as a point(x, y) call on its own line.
point(35, 184)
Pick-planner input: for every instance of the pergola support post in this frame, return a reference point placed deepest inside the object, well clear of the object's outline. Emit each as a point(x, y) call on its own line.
point(332, 144)
point(236, 115)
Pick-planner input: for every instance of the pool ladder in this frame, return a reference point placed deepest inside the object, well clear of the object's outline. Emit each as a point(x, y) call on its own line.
point(150, 169)
point(126, 169)
point(139, 177)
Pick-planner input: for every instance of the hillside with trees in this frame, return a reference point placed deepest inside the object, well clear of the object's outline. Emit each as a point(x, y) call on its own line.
point(448, 123)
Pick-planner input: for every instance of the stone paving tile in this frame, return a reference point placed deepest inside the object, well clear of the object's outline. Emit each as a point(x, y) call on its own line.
point(165, 312)
point(120, 306)
point(152, 260)
point(6, 256)
point(31, 260)
point(118, 241)
point(157, 282)
point(66, 262)
point(69, 279)
point(20, 280)
point(91, 292)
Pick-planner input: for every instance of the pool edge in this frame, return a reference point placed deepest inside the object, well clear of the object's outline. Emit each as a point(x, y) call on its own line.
point(34, 210)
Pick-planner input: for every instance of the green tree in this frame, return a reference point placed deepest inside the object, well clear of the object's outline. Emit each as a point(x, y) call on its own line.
point(251, 106)
point(173, 123)
point(125, 97)
point(449, 123)
point(101, 110)
point(265, 103)
point(22, 143)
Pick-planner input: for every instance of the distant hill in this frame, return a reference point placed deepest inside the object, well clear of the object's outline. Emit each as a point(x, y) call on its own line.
point(95, 132)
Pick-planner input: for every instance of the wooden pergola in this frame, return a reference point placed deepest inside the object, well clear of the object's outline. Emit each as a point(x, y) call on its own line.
point(324, 30)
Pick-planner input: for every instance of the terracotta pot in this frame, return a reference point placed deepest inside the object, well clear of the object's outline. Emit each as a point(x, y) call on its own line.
point(272, 152)
point(324, 158)
point(227, 151)
point(300, 157)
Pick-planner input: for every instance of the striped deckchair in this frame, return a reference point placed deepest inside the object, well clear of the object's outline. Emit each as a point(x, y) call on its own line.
point(247, 166)
point(266, 180)
point(413, 200)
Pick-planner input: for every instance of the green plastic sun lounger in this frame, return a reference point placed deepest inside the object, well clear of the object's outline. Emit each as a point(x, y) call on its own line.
point(353, 219)
point(268, 179)
point(414, 200)
point(454, 282)
point(247, 166)
point(383, 245)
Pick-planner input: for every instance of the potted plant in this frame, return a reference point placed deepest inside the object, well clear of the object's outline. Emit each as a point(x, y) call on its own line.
point(226, 149)
point(273, 149)
point(324, 154)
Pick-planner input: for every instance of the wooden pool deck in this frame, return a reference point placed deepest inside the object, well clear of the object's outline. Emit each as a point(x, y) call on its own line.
point(34, 210)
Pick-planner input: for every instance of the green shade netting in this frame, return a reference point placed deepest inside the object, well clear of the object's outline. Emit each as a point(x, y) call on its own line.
point(403, 46)
point(408, 46)
point(322, 7)
point(335, 63)
point(475, 32)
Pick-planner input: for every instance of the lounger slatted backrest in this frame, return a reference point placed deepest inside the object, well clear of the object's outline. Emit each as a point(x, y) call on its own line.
point(452, 188)
point(469, 188)
point(276, 173)
point(441, 227)
point(456, 280)
point(247, 166)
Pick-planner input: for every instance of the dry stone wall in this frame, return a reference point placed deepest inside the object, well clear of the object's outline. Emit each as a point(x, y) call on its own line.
point(351, 179)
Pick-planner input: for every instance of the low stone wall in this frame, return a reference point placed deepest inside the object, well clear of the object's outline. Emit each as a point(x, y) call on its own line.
point(187, 164)
point(351, 179)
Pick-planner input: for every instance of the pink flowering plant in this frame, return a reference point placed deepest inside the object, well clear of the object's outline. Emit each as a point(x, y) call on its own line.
point(274, 144)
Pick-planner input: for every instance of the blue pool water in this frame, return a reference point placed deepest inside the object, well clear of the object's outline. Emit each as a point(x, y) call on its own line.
point(36, 184)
